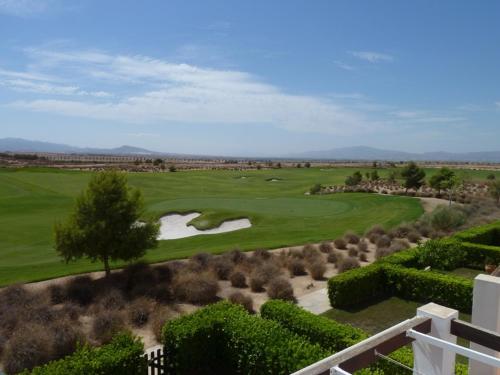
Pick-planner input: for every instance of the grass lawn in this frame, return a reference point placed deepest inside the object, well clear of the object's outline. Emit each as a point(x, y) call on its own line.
point(31, 200)
point(468, 273)
point(382, 315)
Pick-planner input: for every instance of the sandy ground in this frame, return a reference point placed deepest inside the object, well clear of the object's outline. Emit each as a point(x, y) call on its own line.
point(429, 204)
point(176, 226)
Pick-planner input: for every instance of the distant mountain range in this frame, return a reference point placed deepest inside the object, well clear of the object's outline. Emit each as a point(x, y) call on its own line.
point(370, 153)
point(346, 153)
point(23, 145)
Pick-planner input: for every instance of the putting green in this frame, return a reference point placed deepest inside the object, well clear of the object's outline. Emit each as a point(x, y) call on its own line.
point(31, 200)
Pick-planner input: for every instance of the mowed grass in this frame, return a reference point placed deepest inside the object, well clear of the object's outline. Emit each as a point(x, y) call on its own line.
point(32, 200)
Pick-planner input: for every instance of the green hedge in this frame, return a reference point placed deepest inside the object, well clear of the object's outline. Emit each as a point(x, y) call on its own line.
point(406, 258)
point(442, 254)
point(448, 290)
point(224, 339)
point(358, 286)
point(485, 235)
point(328, 333)
point(123, 356)
point(478, 255)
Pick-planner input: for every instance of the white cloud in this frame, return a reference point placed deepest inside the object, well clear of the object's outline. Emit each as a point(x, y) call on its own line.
point(497, 104)
point(373, 57)
point(23, 8)
point(167, 92)
point(343, 65)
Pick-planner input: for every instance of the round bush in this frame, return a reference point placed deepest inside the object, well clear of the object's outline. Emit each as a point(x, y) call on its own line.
point(81, 290)
point(384, 241)
point(257, 282)
point(383, 252)
point(325, 247)
point(310, 252)
point(334, 257)
point(352, 252)
point(262, 254)
point(138, 312)
point(222, 267)
point(376, 229)
point(413, 236)
point(105, 325)
point(238, 279)
point(164, 273)
point(57, 294)
point(362, 246)
point(112, 299)
point(297, 267)
point(67, 337)
point(317, 269)
point(280, 288)
point(28, 347)
point(351, 238)
point(347, 264)
point(243, 300)
point(159, 317)
point(196, 288)
point(373, 237)
point(363, 257)
point(201, 258)
point(340, 243)
point(161, 293)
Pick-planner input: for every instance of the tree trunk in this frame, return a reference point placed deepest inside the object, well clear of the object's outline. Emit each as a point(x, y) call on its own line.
point(106, 266)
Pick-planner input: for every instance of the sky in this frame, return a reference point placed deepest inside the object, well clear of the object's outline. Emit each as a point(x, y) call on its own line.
point(260, 78)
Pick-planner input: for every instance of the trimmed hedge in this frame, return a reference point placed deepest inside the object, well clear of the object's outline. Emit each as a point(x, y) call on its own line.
point(358, 286)
point(123, 356)
point(406, 258)
point(448, 290)
point(478, 255)
point(485, 235)
point(224, 339)
point(328, 333)
point(442, 254)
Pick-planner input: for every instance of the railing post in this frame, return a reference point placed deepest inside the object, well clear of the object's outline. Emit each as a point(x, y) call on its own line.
point(429, 359)
point(485, 314)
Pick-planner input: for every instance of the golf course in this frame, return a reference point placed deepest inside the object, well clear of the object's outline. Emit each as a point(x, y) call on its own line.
point(281, 214)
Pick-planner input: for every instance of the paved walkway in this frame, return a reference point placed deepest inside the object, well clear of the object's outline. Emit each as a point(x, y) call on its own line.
point(316, 302)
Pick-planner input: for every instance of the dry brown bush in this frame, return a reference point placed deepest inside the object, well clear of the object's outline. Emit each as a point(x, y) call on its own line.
point(414, 236)
point(296, 267)
point(202, 259)
point(352, 252)
point(138, 311)
point(262, 254)
point(105, 325)
point(373, 237)
point(112, 299)
point(66, 338)
point(362, 246)
point(333, 257)
point(347, 264)
point(325, 247)
point(382, 252)
point(238, 279)
point(243, 300)
point(257, 282)
point(57, 293)
point(351, 237)
point(222, 267)
point(280, 288)
point(340, 244)
point(384, 241)
point(30, 346)
point(317, 269)
point(164, 273)
point(363, 257)
point(81, 290)
point(196, 288)
point(310, 252)
point(71, 311)
point(158, 318)
point(376, 229)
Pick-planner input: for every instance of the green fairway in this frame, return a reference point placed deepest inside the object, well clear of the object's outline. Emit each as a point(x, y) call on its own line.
point(281, 214)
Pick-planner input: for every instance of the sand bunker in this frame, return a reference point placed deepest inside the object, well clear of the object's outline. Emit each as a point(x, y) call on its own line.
point(175, 226)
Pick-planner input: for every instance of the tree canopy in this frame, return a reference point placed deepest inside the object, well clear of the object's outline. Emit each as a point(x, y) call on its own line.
point(107, 223)
point(443, 179)
point(413, 175)
point(494, 189)
point(355, 179)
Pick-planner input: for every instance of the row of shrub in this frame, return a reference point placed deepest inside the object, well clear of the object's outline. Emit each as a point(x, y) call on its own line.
point(122, 356)
point(380, 280)
point(485, 235)
point(224, 339)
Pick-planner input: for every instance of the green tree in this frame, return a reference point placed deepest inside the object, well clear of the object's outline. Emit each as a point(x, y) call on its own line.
point(494, 189)
point(355, 179)
point(172, 168)
point(413, 176)
point(443, 179)
point(491, 176)
point(105, 224)
point(307, 165)
point(157, 161)
point(278, 165)
point(374, 176)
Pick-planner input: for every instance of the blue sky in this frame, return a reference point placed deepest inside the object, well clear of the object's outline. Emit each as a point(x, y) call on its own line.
point(254, 77)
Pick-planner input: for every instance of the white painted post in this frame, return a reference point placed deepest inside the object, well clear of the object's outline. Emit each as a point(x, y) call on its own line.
point(429, 359)
point(485, 314)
